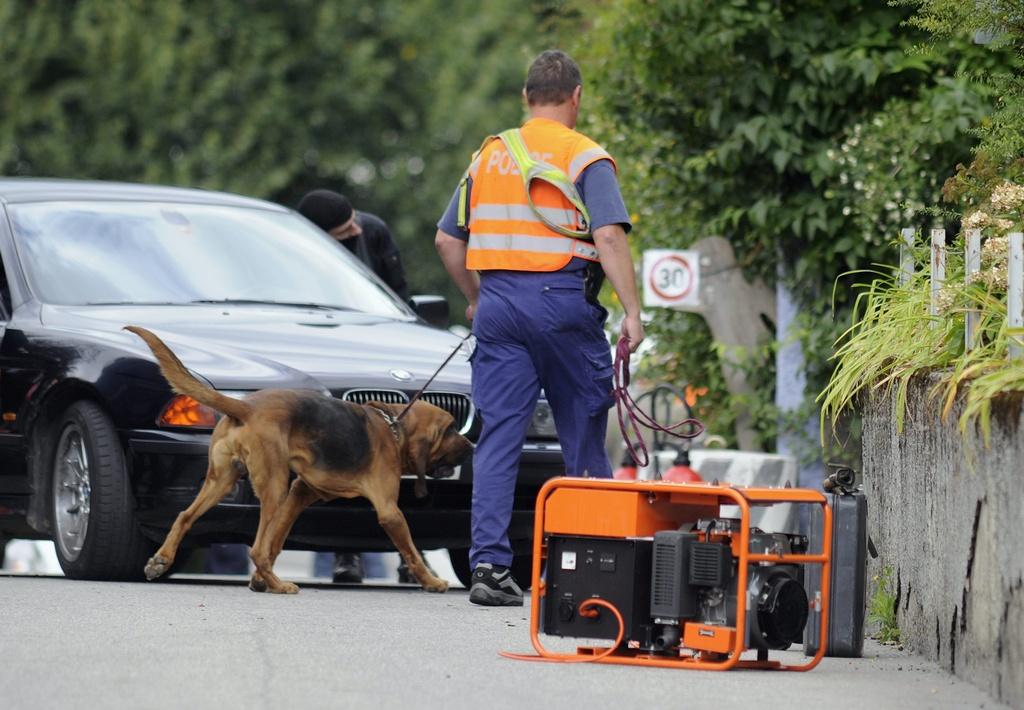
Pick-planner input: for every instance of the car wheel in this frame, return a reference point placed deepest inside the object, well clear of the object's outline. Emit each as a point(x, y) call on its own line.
point(522, 567)
point(95, 533)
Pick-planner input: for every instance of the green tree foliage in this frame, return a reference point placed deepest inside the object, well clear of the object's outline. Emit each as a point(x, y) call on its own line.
point(805, 132)
point(999, 24)
point(383, 101)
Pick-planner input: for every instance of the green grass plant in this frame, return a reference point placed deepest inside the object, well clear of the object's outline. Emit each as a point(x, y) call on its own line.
point(894, 341)
point(882, 608)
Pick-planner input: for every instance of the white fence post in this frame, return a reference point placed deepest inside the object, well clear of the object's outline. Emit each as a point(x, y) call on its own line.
point(972, 262)
point(1015, 293)
point(907, 255)
point(938, 269)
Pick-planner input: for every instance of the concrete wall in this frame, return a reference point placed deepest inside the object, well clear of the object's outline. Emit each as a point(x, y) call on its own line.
point(947, 515)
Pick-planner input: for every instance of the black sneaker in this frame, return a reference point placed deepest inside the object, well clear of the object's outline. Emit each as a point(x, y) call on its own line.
point(348, 568)
point(494, 586)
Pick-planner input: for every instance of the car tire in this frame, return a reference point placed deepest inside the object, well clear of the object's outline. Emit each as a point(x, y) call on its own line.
point(92, 509)
point(522, 567)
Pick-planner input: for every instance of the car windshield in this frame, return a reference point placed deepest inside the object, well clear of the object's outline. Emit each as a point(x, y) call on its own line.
point(79, 253)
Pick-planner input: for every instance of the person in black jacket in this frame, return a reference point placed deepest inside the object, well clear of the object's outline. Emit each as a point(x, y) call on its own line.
point(365, 235)
point(368, 237)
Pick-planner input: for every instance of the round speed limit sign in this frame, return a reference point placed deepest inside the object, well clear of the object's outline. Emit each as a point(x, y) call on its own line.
point(671, 278)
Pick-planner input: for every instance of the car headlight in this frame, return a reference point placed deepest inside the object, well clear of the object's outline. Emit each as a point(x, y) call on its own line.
point(542, 425)
point(184, 411)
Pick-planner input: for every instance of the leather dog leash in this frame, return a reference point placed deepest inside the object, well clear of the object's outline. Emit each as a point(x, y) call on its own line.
point(627, 409)
point(436, 373)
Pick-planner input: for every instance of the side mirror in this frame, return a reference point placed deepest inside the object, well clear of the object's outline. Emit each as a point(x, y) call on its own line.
point(433, 309)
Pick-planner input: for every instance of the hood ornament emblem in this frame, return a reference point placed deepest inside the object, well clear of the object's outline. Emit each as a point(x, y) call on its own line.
point(401, 375)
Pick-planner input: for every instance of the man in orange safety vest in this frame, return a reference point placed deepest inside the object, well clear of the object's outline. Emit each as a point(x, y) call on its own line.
point(536, 224)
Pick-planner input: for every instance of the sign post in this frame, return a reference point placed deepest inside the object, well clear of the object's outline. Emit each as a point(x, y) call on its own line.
point(672, 279)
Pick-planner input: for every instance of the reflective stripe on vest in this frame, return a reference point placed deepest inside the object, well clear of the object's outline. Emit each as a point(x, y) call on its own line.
point(547, 245)
point(524, 213)
point(583, 160)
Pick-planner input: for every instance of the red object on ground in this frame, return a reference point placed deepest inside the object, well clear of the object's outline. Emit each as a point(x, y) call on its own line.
point(681, 473)
point(625, 473)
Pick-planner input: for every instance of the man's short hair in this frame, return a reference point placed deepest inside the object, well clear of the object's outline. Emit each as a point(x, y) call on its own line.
point(552, 78)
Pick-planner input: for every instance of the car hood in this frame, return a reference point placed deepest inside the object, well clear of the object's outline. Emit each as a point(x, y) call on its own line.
point(252, 347)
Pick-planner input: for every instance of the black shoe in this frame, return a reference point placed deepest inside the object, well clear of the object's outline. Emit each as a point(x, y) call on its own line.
point(406, 577)
point(493, 586)
point(348, 568)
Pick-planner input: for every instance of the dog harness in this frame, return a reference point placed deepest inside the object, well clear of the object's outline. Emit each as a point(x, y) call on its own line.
point(392, 421)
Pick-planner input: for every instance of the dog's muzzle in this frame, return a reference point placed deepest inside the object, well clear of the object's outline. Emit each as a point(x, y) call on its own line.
point(443, 471)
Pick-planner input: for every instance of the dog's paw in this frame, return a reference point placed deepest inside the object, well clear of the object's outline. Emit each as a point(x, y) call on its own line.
point(257, 584)
point(286, 588)
point(156, 566)
point(438, 586)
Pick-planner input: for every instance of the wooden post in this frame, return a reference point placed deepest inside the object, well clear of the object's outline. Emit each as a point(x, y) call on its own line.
point(972, 262)
point(1015, 293)
point(736, 311)
point(907, 255)
point(938, 269)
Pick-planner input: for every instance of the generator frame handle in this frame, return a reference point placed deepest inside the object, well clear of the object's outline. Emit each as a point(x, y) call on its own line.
point(740, 496)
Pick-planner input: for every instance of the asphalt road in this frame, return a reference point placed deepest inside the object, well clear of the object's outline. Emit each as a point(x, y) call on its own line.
point(202, 643)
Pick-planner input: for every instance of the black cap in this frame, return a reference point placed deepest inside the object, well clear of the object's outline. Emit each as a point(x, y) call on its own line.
point(326, 209)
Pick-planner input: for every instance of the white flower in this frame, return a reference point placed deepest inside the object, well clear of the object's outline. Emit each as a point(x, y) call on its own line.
point(1007, 196)
point(944, 300)
point(994, 278)
point(994, 252)
point(976, 220)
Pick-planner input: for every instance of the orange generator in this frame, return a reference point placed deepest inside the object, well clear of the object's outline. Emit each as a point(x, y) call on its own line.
point(662, 571)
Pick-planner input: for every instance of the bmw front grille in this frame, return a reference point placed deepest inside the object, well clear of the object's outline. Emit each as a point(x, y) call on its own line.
point(458, 405)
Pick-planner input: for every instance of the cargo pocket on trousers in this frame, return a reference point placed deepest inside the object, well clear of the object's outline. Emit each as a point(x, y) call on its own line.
point(564, 307)
point(599, 366)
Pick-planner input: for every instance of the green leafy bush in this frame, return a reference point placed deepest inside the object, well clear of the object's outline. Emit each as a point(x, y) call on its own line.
point(893, 340)
point(776, 125)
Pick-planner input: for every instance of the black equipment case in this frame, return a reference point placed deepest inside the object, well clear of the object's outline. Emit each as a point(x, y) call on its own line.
point(848, 578)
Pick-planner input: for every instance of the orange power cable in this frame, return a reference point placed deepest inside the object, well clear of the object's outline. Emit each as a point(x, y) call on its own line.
point(584, 610)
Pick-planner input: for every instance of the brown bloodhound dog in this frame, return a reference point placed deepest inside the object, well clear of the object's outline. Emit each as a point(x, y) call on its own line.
point(336, 450)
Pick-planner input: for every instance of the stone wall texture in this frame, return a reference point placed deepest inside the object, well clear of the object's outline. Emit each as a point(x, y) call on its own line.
point(946, 513)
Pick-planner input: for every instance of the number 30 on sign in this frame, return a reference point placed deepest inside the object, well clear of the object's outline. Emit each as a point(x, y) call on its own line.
point(672, 278)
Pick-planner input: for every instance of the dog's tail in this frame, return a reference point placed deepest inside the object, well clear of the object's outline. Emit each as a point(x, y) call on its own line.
point(183, 382)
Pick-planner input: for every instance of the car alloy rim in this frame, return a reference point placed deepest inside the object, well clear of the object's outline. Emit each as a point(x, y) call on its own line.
point(71, 492)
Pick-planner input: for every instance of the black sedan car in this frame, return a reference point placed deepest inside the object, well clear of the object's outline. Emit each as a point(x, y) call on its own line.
point(99, 455)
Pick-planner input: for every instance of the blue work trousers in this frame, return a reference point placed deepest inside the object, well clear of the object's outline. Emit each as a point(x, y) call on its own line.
point(534, 330)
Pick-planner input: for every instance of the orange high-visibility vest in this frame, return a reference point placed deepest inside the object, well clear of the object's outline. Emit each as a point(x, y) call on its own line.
point(504, 230)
